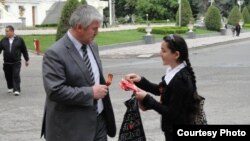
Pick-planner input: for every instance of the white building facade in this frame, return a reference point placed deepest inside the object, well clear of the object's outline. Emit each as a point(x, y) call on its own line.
point(35, 11)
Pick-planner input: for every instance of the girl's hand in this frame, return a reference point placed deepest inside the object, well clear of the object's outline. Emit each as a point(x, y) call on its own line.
point(132, 77)
point(140, 94)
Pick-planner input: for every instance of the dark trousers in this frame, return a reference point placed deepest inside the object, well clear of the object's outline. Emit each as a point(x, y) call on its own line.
point(12, 75)
point(237, 32)
point(105, 25)
point(101, 129)
point(168, 136)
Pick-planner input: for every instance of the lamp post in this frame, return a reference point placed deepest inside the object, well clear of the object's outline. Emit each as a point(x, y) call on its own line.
point(113, 12)
point(179, 1)
point(147, 18)
point(148, 38)
point(211, 2)
point(148, 28)
point(110, 12)
point(240, 2)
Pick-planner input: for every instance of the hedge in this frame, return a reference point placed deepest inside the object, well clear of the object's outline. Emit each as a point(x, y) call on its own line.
point(165, 30)
point(47, 25)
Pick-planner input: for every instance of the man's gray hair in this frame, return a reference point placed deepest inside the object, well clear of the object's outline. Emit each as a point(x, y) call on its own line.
point(85, 15)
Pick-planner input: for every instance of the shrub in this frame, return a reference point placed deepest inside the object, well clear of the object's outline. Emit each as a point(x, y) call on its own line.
point(63, 25)
point(166, 30)
point(47, 25)
point(186, 13)
point(234, 16)
point(246, 15)
point(83, 2)
point(213, 18)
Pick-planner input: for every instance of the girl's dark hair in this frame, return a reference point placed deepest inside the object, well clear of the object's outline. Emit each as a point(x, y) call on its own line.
point(177, 43)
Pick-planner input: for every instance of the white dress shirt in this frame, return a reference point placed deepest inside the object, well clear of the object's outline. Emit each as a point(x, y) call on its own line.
point(11, 41)
point(171, 72)
point(94, 65)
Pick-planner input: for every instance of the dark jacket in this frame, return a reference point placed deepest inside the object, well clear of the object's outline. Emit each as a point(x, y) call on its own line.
point(176, 99)
point(18, 48)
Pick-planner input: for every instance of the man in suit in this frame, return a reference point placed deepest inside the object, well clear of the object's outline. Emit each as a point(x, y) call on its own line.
point(78, 106)
point(13, 47)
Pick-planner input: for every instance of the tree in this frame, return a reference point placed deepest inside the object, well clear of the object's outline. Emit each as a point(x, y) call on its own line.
point(153, 8)
point(83, 2)
point(213, 18)
point(234, 16)
point(157, 9)
point(246, 15)
point(186, 13)
point(63, 25)
point(224, 6)
point(198, 7)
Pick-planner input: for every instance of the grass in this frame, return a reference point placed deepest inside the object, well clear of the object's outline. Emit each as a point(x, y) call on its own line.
point(102, 39)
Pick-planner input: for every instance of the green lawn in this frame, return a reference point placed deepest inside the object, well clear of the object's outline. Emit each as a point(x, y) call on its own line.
point(107, 38)
point(103, 38)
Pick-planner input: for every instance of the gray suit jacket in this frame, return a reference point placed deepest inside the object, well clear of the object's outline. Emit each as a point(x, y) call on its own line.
point(70, 113)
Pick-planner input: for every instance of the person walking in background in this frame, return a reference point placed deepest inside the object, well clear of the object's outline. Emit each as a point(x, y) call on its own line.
point(105, 22)
point(78, 105)
point(13, 47)
point(179, 102)
point(237, 29)
point(233, 31)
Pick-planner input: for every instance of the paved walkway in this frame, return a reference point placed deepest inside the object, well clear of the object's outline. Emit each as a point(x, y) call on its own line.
point(148, 50)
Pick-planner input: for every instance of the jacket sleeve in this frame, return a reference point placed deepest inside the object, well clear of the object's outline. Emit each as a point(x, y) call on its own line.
point(148, 86)
point(24, 50)
point(54, 80)
point(1, 46)
point(180, 96)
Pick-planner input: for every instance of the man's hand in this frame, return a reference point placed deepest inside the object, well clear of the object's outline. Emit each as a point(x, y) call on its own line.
point(26, 63)
point(100, 91)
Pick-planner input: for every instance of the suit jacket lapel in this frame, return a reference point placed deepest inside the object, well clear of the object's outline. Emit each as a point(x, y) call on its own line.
point(77, 57)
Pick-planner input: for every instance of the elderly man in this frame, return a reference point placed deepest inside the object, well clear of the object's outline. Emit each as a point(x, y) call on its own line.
point(78, 106)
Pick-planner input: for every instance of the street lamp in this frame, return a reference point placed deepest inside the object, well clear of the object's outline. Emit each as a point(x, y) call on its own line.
point(211, 2)
point(240, 2)
point(148, 28)
point(110, 12)
point(179, 1)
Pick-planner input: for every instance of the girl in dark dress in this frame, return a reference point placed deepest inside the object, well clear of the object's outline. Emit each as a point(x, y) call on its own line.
point(179, 101)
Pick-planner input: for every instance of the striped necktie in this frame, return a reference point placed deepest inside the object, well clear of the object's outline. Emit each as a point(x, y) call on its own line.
point(88, 64)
